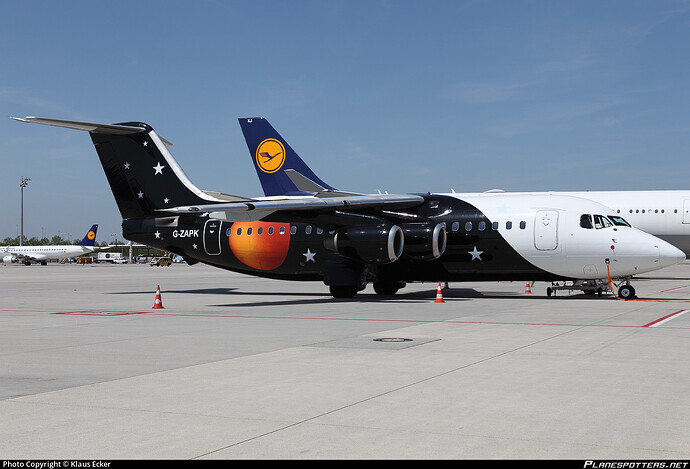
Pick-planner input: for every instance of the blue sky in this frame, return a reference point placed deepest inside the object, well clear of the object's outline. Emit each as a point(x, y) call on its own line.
point(403, 96)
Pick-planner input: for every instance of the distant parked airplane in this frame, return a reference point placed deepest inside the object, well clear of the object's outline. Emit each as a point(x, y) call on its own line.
point(41, 254)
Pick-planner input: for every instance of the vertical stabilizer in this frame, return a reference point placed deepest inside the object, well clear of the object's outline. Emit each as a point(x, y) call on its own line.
point(274, 159)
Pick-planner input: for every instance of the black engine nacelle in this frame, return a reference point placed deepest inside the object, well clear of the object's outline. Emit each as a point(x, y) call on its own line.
point(424, 241)
point(372, 244)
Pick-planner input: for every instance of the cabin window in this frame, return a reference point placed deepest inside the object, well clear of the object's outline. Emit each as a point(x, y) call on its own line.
point(523, 225)
point(482, 225)
point(293, 229)
point(319, 231)
point(228, 232)
point(249, 231)
point(239, 231)
point(494, 226)
point(270, 230)
point(468, 226)
point(509, 225)
point(282, 230)
point(307, 230)
point(259, 230)
point(455, 226)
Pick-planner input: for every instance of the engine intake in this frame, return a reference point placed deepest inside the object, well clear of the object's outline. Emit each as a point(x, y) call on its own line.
point(372, 244)
point(424, 241)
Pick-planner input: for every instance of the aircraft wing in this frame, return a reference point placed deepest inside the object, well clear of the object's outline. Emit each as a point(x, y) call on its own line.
point(259, 208)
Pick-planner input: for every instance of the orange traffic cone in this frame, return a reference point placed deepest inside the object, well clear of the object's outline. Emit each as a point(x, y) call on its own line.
point(528, 289)
point(439, 294)
point(158, 303)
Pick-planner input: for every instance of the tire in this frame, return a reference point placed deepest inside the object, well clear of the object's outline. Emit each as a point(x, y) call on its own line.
point(343, 291)
point(385, 288)
point(626, 292)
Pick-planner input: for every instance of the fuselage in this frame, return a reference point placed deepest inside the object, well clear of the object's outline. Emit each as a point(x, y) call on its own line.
point(489, 237)
point(12, 254)
point(665, 214)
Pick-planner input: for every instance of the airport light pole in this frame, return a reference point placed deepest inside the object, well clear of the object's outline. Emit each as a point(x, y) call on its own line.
point(22, 185)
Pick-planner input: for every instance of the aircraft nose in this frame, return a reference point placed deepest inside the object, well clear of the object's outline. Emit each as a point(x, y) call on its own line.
point(669, 254)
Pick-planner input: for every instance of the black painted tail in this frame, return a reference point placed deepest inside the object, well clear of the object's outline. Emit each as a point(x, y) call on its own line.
point(142, 174)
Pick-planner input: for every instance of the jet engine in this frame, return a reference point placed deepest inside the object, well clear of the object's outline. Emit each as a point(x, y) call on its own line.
point(424, 241)
point(9, 259)
point(372, 244)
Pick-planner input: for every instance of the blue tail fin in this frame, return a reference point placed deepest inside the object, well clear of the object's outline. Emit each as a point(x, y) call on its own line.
point(276, 162)
point(90, 238)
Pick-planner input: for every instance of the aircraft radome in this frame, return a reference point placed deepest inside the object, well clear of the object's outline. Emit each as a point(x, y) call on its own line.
point(347, 240)
point(42, 254)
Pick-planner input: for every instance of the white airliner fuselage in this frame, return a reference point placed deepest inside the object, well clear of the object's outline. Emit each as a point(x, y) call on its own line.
point(664, 214)
point(41, 254)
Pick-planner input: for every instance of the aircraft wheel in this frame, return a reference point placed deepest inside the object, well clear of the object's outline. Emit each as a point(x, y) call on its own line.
point(343, 291)
point(626, 292)
point(386, 288)
point(549, 291)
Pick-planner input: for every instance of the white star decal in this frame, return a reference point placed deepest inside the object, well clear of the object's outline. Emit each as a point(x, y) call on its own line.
point(475, 254)
point(165, 201)
point(158, 168)
point(157, 233)
point(309, 255)
point(141, 195)
point(146, 144)
point(126, 164)
point(194, 246)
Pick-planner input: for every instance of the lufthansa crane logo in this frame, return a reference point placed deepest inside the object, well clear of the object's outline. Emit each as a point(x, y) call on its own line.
point(270, 155)
point(91, 235)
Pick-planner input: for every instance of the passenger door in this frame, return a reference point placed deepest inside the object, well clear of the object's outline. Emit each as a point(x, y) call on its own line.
point(546, 230)
point(686, 211)
point(212, 237)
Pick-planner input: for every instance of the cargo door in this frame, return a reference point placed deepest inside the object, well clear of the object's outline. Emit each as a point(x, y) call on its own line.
point(212, 237)
point(546, 230)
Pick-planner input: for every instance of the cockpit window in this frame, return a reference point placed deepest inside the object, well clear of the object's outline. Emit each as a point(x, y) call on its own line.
point(586, 221)
point(600, 221)
point(619, 221)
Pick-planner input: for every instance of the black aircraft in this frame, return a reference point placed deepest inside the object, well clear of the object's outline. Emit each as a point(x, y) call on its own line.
point(346, 239)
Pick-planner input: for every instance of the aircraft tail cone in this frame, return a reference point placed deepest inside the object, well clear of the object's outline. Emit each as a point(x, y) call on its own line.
point(528, 289)
point(439, 294)
point(158, 303)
